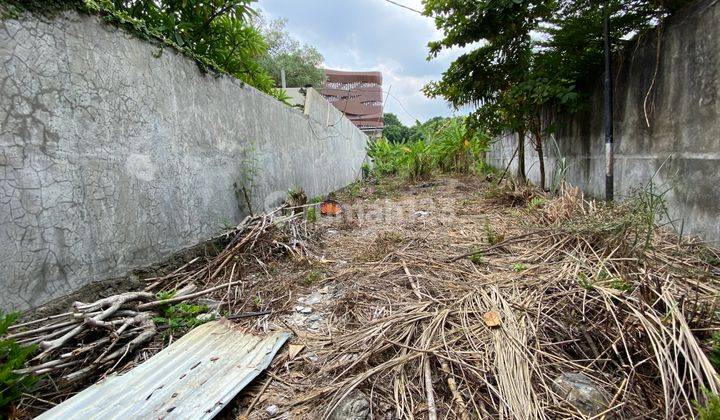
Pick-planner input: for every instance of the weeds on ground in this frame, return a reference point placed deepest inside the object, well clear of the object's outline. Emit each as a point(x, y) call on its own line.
point(585, 282)
point(620, 284)
point(311, 214)
point(12, 356)
point(418, 160)
point(478, 257)
point(711, 409)
point(627, 226)
point(709, 256)
point(181, 316)
point(714, 353)
point(313, 277)
point(493, 238)
point(353, 190)
point(449, 147)
point(165, 295)
point(536, 202)
point(519, 267)
point(485, 170)
point(387, 187)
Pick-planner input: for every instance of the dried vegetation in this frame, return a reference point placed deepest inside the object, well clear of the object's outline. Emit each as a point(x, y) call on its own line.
point(458, 300)
point(578, 287)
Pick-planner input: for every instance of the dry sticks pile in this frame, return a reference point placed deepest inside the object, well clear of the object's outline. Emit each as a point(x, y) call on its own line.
point(95, 338)
point(578, 291)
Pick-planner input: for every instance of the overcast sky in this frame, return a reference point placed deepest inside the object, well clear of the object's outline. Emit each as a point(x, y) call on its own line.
point(372, 35)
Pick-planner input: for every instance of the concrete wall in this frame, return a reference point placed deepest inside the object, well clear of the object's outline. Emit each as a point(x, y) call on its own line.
point(115, 154)
point(683, 110)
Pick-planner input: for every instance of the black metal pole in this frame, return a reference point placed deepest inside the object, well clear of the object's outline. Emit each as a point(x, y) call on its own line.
point(608, 87)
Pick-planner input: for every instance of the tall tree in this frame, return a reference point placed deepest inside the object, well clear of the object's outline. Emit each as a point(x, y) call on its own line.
point(530, 54)
point(219, 31)
point(302, 62)
point(394, 130)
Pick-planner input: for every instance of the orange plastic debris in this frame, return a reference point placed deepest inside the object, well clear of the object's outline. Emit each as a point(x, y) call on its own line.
point(330, 208)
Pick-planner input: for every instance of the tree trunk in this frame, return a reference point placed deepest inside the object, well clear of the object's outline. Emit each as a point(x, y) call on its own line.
point(521, 157)
point(539, 148)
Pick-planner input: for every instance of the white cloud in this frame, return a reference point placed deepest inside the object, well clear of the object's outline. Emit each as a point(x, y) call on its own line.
point(373, 35)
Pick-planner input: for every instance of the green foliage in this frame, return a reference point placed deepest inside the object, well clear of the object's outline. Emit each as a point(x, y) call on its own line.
point(711, 409)
point(12, 357)
point(387, 157)
point(313, 277)
point(301, 62)
point(417, 160)
point(530, 55)
point(714, 353)
point(181, 316)
point(477, 257)
point(493, 238)
point(620, 284)
point(216, 34)
point(585, 282)
point(648, 207)
point(709, 256)
point(165, 294)
point(311, 215)
point(519, 267)
point(394, 130)
point(365, 170)
point(446, 144)
point(535, 203)
point(12, 9)
point(454, 147)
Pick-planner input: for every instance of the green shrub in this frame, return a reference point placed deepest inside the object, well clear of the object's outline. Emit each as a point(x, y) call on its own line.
point(12, 357)
point(313, 277)
point(387, 157)
point(477, 257)
point(714, 353)
point(182, 315)
point(311, 214)
point(519, 267)
point(418, 160)
point(711, 409)
point(493, 238)
point(454, 148)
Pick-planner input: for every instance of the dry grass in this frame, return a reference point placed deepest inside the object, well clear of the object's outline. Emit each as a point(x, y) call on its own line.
point(578, 289)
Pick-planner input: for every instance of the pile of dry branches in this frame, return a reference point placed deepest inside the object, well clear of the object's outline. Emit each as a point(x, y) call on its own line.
point(578, 287)
point(93, 339)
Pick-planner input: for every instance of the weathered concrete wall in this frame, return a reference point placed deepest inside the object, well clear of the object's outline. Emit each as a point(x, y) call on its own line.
point(683, 110)
point(114, 154)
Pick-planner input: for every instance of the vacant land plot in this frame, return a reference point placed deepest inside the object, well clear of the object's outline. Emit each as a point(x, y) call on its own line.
point(458, 298)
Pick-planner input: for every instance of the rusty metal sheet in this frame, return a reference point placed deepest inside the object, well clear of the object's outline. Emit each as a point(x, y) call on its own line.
point(195, 377)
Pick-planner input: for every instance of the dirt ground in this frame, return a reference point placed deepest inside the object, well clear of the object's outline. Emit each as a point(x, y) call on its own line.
point(452, 298)
point(446, 214)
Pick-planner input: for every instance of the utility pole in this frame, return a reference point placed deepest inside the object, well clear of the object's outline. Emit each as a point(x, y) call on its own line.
point(608, 87)
point(282, 78)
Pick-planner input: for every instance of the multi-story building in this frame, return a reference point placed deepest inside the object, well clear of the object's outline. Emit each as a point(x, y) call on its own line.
point(358, 95)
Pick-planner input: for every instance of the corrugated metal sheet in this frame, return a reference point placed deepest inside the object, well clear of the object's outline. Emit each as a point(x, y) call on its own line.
point(194, 378)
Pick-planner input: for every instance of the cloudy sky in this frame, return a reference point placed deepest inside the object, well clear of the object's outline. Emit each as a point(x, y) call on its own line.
point(372, 35)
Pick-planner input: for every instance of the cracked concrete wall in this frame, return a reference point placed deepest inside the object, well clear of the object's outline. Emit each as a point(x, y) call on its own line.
point(114, 154)
point(680, 147)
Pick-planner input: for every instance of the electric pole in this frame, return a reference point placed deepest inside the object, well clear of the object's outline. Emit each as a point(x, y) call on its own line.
point(608, 87)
